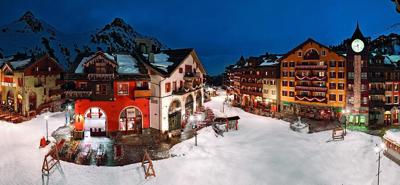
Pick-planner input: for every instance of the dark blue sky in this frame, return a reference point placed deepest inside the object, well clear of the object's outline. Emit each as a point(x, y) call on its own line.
point(219, 30)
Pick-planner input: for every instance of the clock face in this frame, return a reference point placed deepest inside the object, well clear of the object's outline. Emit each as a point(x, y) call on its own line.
point(357, 45)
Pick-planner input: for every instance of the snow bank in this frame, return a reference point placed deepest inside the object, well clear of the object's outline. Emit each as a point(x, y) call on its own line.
point(393, 135)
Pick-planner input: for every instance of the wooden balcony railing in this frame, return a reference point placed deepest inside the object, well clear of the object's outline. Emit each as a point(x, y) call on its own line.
point(311, 88)
point(319, 99)
point(312, 67)
point(78, 93)
point(101, 77)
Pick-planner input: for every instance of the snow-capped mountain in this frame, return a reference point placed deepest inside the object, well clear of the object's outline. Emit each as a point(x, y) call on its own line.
point(30, 35)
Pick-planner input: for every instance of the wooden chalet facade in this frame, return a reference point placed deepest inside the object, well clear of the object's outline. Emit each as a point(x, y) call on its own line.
point(111, 93)
point(31, 86)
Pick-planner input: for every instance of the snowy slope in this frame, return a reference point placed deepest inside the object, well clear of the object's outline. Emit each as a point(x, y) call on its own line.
point(32, 35)
point(262, 151)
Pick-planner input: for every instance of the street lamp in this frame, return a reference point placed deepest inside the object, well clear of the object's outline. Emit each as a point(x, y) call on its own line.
point(346, 114)
point(378, 149)
point(67, 115)
point(46, 117)
point(192, 120)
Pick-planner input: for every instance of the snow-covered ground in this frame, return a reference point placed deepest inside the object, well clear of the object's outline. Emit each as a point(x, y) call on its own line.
point(262, 151)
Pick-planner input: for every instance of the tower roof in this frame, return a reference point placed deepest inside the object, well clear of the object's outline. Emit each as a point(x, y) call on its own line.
point(357, 33)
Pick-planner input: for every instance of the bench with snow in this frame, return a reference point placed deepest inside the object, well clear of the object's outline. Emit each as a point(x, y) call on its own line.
point(338, 133)
point(231, 123)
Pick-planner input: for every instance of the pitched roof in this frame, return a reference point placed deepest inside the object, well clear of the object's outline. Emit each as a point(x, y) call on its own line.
point(309, 40)
point(167, 61)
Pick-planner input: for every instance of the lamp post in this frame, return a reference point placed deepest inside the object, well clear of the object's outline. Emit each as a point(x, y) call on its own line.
point(67, 115)
point(378, 149)
point(46, 117)
point(192, 120)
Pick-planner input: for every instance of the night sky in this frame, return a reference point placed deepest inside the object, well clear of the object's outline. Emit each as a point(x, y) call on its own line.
point(220, 31)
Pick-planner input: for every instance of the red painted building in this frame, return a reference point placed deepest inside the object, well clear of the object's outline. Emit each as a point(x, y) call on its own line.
point(111, 94)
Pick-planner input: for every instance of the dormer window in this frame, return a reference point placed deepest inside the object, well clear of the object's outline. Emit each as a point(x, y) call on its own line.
point(299, 54)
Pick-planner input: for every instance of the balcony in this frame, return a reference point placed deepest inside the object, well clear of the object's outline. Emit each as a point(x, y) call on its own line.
point(251, 84)
point(312, 67)
point(311, 78)
point(318, 99)
point(101, 77)
point(191, 76)
point(254, 93)
point(376, 103)
point(312, 88)
point(142, 93)
point(78, 93)
point(376, 91)
point(55, 92)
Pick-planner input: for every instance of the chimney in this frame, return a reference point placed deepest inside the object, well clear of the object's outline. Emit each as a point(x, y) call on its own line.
point(151, 57)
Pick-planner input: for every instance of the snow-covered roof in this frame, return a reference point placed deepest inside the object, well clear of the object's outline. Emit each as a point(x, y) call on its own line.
point(20, 63)
point(391, 58)
point(126, 63)
point(161, 61)
point(269, 63)
point(393, 135)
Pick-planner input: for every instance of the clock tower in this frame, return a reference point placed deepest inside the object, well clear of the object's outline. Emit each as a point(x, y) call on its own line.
point(357, 78)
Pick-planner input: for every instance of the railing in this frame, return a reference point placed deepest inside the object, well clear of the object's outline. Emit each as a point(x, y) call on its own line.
point(78, 93)
point(377, 91)
point(311, 67)
point(190, 76)
point(311, 78)
point(319, 99)
point(311, 88)
point(255, 93)
point(251, 84)
point(101, 77)
point(376, 103)
point(55, 92)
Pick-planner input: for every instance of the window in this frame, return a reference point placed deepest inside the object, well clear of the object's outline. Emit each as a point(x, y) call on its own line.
point(284, 64)
point(291, 73)
point(273, 92)
point(350, 87)
point(284, 73)
point(341, 64)
point(323, 53)
point(167, 87)
point(265, 91)
point(82, 85)
point(181, 84)
point(100, 67)
point(340, 97)
point(332, 74)
point(49, 68)
point(332, 97)
point(351, 75)
point(365, 100)
point(396, 87)
point(291, 93)
point(332, 63)
point(388, 99)
point(299, 54)
point(291, 64)
point(284, 83)
point(101, 89)
point(340, 74)
point(396, 99)
point(364, 75)
point(272, 82)
point(332, 85)
point(284, 93)
point(266, 73)
point(180, 70)
point(258, 72)
point(174, 86)
point(341, 86)
point(321, 74)
point(37, 68)
point(291, 83)
point(363, 87)
point(188, 68)
point(123, 89)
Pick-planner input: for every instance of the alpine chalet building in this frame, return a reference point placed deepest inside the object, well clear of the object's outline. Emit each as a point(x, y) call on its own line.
point(313, 81)
point(177, 81)
point(111, 93)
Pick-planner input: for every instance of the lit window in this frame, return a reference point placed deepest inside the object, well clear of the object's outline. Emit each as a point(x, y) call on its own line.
point(49, 68)
point(123, 89)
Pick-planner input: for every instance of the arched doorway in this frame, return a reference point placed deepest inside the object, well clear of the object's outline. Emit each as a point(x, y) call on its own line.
point(130, 119)
point(10, 99)
point(199, 103)
point(174, 115)
point(95, 121)
point(189, 105)
point(19, 103)
point(395, 115)
point(32, 101)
